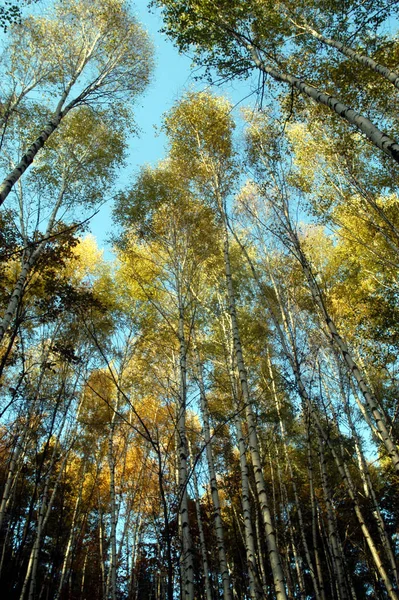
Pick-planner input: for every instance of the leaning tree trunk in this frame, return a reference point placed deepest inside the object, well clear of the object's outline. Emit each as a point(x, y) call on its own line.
point(361, 59)
point(29, 260)
point(205, 565)
point(58, 115)
point(219, 530)
point(343, 348)
point(366, 479)
point(278, 576)
point(187, 566)
point(380, 139)
point(347, 480)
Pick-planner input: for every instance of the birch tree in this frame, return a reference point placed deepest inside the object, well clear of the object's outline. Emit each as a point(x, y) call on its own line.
point(70, 174)
point(257, 35)
point(209, 144)
point(99, 57)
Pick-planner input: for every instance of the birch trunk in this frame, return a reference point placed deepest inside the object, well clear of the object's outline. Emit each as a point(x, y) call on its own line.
point(187, 565)
point(293, 359)
point(314, 517)
point(259, 532)
point(336, 556)
point(292, 480)
point(342, 346)
point(82, 583)
point(347, 480)
point(284, 501)
point(254, 588)
point(27, 264)
point(21, 447)
point(44, 514)
point(34, 555)
point(380, 139)
point(17, 453)
point(205, 566)
point(219, 530)
point(367, 483)
point(101, 547)
point(274, 556)
point(111, 581)
point(69, 543)
point(361, 59)
point(58, 115)
point(136, 537)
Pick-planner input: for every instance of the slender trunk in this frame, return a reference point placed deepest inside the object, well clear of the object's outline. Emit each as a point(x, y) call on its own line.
point(292, 480)
point(16, 295)
point(367, 483)
point(259, 537)
point(111, 580)
point(168, 534)
point(255, 591)
point(219, 529)
point(69, 543)
point(336, 556)
point(187, 566)
point(314, 517)
point(11, 474)
point(58, 115)
point(44, 514)
point(254, 588)
point(205, 566)
point(274, 556)
point(286, 510)
point(27, 159)
point(27, 265)
point(34, 555)
point(361, 59)
point(346, 355)
point(381, 140)
point(293, 359)
point(82, 583)
point(347, 480)
point(135, 542)
point(101, 549)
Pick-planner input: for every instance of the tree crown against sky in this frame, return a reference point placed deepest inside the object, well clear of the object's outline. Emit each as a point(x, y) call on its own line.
point(214, 413)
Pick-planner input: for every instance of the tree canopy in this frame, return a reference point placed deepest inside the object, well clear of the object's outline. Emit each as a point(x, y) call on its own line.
point(213, 412)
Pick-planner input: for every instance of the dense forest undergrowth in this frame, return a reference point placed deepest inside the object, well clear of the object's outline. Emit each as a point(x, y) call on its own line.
point(214, 414)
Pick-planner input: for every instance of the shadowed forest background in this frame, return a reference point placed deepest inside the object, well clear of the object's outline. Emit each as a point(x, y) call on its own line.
point(213, 413)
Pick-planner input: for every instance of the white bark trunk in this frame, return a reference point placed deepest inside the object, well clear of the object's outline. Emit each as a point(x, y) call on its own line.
point(205, 565)
point(380, 139)
point(361, 59)
point(219, 529)
point(27, 264)
point(346, 355)
point(274, 556)
point(187, 566)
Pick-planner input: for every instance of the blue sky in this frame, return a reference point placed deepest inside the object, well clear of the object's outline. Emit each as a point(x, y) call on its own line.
point(173, 76)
